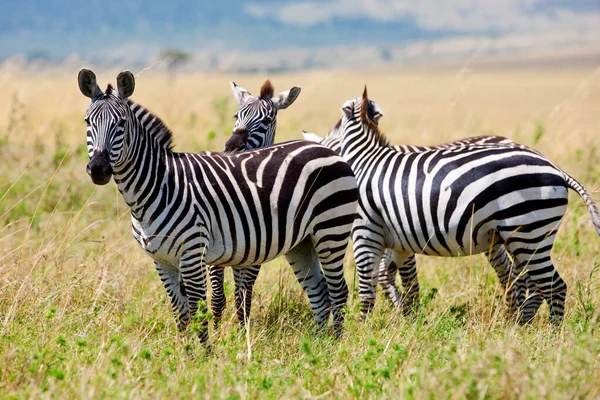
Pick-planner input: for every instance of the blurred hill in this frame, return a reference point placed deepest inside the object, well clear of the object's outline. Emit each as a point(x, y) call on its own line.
point(291, 35)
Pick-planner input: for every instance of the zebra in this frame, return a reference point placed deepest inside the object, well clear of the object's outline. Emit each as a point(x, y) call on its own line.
point(407, 271)
point(503, 200)
point(193, 209)
point(255, 124)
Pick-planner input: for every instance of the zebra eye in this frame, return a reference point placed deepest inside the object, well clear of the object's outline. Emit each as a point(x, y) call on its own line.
point(235, 116)
point(87, 121)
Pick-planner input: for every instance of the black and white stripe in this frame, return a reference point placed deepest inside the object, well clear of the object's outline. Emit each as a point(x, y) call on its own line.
point(193, 209)
point(503, 200)
point(255, 125)
point(389, 266)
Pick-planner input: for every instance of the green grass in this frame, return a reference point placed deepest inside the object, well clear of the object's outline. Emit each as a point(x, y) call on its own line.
point(83, 313)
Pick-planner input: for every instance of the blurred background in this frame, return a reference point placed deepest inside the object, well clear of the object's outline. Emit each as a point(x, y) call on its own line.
point(82, 311)
point(275, 36)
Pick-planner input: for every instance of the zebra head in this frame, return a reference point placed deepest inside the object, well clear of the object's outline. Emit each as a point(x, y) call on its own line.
point(362, 108)
point(106, 119)
point(257, 117)
point(359, 129)
point(333, 138)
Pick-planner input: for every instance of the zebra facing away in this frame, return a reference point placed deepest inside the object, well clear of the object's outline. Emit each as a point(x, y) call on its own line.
point(504, 200)
point(255, 125)
point(407, 269)
point(193, 209)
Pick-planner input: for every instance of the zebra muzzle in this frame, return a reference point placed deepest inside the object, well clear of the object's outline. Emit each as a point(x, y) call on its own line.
point(99, 168)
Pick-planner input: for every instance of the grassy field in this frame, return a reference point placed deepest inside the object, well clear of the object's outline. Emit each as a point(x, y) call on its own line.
point(83, 313)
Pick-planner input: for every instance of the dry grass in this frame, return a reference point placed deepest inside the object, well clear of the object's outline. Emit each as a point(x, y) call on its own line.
point(83, 314)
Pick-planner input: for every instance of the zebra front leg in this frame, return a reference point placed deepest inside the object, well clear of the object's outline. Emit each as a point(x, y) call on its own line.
point(194, 274)
point(368, 243)
point(244, 278)
point(177, 294)
point(217, 296)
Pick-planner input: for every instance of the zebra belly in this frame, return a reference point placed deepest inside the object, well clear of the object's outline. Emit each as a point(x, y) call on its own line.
point(162, 249)
point(426, 245)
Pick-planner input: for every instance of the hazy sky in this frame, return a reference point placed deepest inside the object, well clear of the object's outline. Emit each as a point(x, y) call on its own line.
point(112, 29)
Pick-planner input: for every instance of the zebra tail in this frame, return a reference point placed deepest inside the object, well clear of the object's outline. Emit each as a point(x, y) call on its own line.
point(587, 199)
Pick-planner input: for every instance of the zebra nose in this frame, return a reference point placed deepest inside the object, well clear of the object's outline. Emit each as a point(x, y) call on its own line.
point(237, 142)
point(99, 168)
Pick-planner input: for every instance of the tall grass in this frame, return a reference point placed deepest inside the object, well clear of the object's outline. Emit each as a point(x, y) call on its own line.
point(83, 313)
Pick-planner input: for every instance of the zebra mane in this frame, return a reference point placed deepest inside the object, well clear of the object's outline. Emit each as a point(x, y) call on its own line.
point(153, 125)
point(109, 90)
point(366, 116)
point(267, 90)
point(337, 125)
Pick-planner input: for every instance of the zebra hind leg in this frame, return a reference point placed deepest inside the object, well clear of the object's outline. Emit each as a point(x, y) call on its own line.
point(533, 299)
point(305, 264)
point(244, 278)
point(331, 252)
point(368, 244)
point(217, 298)
point(387, 279)
point(532, 254)
point(522, 300)
point(404, 264)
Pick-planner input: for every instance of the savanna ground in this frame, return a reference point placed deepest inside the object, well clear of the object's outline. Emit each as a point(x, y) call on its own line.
point(83, 313)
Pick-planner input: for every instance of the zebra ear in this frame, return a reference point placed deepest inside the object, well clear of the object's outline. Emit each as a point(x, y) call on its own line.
point(125, 84)
point(285, 99)
point(311, 137)
point(348, 108)
point(376, 112)
point(241, 95)
point(87, 84)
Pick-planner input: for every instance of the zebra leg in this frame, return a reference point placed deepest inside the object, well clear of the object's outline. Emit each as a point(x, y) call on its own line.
point(305, 264)
point(532, 254)
point(533, 301)
point(520, 291)
point(410, 282)
point(331, 252)
point(193, 274)
point(513, 287)
point(368, 243)
point(177, 294)
point(387, 278)
point(217, 297)
point(244, 278)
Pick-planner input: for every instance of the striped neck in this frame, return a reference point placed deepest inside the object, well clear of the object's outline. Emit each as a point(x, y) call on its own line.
point(143, 166)
point(261, 138)
point(359, 139)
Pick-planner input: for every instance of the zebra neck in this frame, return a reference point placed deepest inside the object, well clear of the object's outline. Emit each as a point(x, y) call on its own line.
point(144, 171)
point(258, 140)
point(142, 178)
point(358, 147)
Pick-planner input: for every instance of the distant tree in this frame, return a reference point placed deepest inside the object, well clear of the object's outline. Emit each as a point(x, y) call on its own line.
point(174, 58)
point(386, 54)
